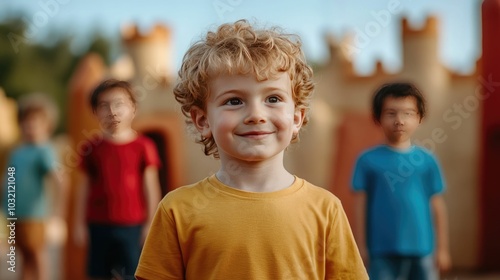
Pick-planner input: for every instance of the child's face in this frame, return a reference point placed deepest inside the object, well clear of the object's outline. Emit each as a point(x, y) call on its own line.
point(399, 119)
point(249, 120)
point(36, 127)
point(115, 111)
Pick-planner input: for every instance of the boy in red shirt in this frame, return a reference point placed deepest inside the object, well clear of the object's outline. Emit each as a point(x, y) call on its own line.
point(120, 189)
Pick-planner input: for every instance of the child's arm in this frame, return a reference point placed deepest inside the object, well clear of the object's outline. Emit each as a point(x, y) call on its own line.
point(80, 228)
point(152, 194)
point(360, 222)
point(443, 258)
point(59, 181)
point(57, 219)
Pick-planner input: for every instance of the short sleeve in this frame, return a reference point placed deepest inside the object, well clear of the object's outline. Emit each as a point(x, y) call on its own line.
point(343, 260)
point(151, 157)
point(48, 159)
point(435, 180)
point(360, 175)
point(161, 257)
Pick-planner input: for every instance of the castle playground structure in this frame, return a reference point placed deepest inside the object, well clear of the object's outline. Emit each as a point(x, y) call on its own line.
point(462, 127)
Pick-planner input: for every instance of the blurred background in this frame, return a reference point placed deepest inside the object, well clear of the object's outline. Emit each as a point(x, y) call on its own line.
point(448, 48)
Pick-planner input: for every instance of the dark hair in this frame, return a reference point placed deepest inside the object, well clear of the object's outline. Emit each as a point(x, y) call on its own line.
point(107, 85)
point(396, 90)
point(37, 104)
point(29, 111)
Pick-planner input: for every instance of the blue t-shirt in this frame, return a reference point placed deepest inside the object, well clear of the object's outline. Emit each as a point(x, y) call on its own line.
point(32, 163)
point(398, 185)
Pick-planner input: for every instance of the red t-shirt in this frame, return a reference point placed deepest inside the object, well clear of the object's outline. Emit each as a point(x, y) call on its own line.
point(115, 172)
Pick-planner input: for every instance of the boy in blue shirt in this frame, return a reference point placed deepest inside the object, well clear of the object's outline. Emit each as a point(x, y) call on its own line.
point(398, 194)
point(29, 164)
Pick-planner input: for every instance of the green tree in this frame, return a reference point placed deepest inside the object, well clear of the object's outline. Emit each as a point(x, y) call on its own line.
point(27, 66)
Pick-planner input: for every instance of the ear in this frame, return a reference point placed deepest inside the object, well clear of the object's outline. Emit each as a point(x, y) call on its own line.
point(135, 110)
point(298, 119)
point(200, 121)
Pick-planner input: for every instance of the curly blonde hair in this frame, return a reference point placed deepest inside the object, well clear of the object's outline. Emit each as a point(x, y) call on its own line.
point(238, 48)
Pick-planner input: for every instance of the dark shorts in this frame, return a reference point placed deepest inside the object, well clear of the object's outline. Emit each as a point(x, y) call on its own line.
point(113, 250)
point(402, 268)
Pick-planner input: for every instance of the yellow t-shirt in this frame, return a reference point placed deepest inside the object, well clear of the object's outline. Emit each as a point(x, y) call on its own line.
point(211, 231)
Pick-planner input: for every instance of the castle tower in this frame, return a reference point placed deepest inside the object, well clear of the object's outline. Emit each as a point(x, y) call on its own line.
point(83, 131)
point(157, 112)
point(151, 52)
point(421, 63)
point(420, 45)
point(151, 56)
point(490, 136)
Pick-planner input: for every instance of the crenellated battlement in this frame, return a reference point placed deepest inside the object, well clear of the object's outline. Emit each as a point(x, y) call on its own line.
point(131, 33)
point(419, 52)
point(149, 55)
point(429, 28)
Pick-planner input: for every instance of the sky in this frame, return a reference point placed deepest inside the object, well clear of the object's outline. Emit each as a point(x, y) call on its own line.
point(375, 23)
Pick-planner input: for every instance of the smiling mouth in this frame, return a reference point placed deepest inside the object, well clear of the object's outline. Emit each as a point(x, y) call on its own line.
point(255, 134)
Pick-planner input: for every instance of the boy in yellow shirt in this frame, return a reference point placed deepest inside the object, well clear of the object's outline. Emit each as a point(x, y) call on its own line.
point(247, 92)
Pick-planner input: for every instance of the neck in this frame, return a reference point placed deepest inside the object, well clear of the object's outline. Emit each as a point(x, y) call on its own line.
point(120, 135)
point(36, 140)
point(262, 176)
point(400, 145)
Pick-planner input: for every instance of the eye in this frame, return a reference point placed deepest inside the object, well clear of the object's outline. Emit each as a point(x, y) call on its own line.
point(233, 102)
point(273, 99)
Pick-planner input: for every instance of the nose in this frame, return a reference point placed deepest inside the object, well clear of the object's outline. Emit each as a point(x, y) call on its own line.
point(112, 111)
point(399, 119)
point(255, 114)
